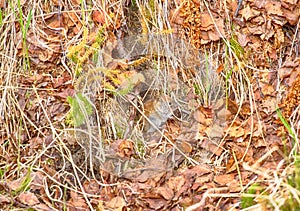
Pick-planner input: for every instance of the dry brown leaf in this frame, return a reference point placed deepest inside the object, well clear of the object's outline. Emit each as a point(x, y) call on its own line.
point(4, 199)
point(166, 192)
point(173, 129)
point(28, 198)
point(236, 130)
point(292, 2)
point(259, 20)
point(70, 19)
point(65, 93)
point(37, 181)
point(220, 68)
point(269, 32)
point(215, 131)
point(225, 180)
point(211, 147)
point(243, 39)
point(201, 180)
point(213, 35)
point(130, 78)
point(203, 115)
point(76, 2)
point(256, 30)
point(117, 203)
point(175, 17)
point(273, 8)
point(231, 165)
point(246, 109)
point(15, 184)
point(279, 38)
point(76, 29)
point(156, 204)
point(126, 148)
point(55, 23)
point(153, 169)
point(288, 75)
point(91, 187)
point(248, 13)
point(206, 22)
point(273, 54)
point(36, 142)
point(267, 89)
point(55, 2)
point(35, 79)
point(98, 16)
point(204, 37)
point(76, 202)
point(232, 5)
point(284, 72)
point(269, 104)
point(185, 147)
point(123, 148)
point(197, 171)
point(292, 16)
point(42, 207)
point(232, 107)
point(57, 82)
point(2, 3)
point(221, 27)
point(44, 55)
point(175, 183)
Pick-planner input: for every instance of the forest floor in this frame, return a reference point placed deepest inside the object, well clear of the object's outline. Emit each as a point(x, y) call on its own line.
point(68, 82)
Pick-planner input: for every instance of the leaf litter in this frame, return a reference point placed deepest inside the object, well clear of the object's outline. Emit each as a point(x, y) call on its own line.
point(261, 28)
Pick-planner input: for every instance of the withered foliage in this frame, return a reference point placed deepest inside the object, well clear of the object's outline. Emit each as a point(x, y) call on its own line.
point(38, 155)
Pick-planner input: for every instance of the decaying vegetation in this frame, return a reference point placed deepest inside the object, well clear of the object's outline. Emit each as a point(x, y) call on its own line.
point(149, 105)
